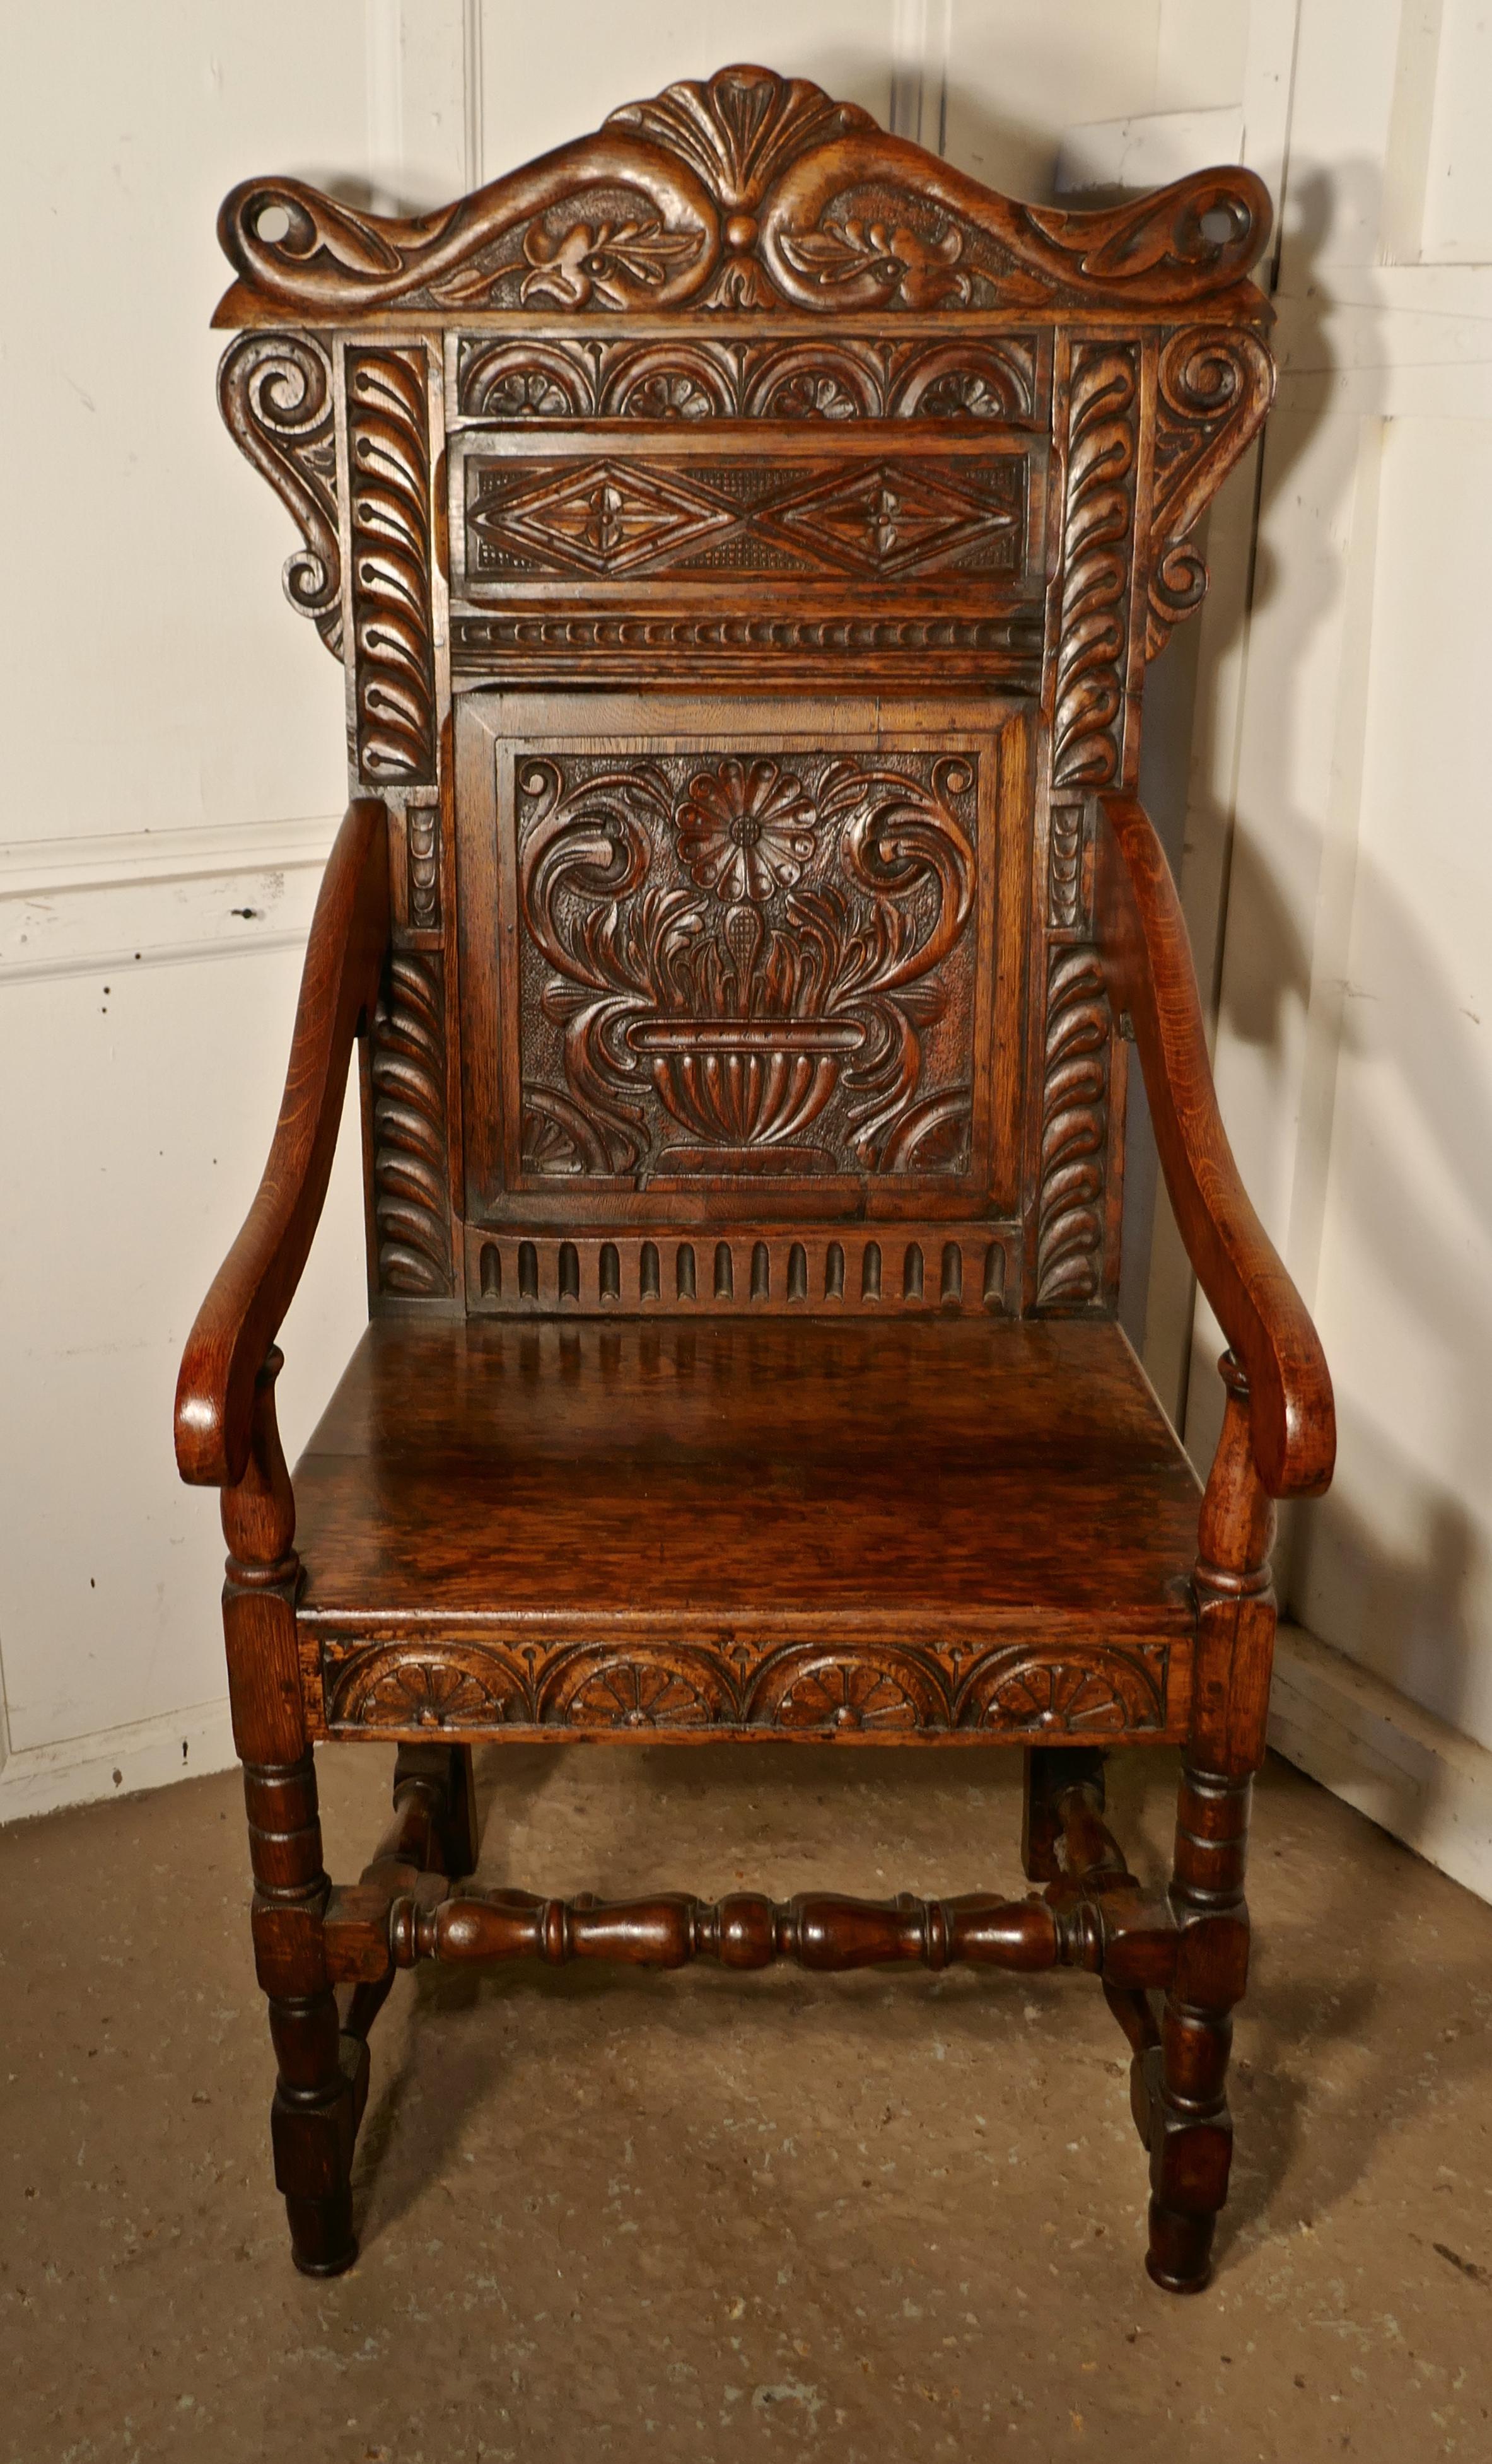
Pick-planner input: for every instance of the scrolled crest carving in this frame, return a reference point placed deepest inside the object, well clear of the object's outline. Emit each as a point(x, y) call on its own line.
point(745, 965)
point(738, 192)
point(276, 391)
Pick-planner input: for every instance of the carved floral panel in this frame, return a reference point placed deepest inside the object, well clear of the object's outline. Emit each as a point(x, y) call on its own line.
point(745, 962)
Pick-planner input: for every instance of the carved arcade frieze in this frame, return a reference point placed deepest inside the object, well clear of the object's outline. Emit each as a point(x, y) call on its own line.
point(402, 1687)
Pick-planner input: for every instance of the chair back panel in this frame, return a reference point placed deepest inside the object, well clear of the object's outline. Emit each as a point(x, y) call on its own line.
point(745, 538)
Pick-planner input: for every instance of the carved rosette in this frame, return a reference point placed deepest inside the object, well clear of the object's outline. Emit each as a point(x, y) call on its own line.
point(1069, 1252)
point(275, 393)
point(410, 1189)
point(1214, 387)
point(739, 193)
point(870, 1690)
point(388, 460)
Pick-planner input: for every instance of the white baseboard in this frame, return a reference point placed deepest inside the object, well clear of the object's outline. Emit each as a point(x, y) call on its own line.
point(1406, 1770)
point(116, 1762)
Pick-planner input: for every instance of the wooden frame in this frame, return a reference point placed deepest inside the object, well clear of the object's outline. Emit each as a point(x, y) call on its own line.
point(744, 536)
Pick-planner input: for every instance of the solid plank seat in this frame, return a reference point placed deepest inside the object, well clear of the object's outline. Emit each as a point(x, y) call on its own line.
point(947, 1525)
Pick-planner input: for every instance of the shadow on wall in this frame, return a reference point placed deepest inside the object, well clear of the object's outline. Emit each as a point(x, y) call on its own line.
point(1389, 1559)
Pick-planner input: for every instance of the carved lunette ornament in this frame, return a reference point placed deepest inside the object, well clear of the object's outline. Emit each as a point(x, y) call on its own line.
point(747, 191)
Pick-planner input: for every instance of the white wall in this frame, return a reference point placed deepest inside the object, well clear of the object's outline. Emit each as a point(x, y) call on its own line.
point(175, 742)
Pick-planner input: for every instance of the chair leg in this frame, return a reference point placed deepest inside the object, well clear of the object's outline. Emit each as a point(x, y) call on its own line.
point(322, 2080)
point(433, 1832)
point(440, 1778)
point(1181, 2094)
point(1050, 1771)
point(1189, 2129)
point(322, 2076)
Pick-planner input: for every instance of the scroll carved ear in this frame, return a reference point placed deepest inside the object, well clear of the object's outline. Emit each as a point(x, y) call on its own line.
point(1213, 389)
point(276, 390)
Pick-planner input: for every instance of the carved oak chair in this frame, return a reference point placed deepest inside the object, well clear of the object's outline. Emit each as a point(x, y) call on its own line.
point(744, 536)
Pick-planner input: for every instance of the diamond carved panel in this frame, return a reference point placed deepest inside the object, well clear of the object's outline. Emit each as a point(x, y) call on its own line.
point(891, 518)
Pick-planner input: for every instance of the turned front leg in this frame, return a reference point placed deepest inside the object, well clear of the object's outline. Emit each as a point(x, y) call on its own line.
point(321, 2079)
point(1182, 2091)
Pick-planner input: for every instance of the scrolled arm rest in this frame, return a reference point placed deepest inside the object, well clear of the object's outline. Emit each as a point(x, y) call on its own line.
point(1148, 963)
point(241, 1315)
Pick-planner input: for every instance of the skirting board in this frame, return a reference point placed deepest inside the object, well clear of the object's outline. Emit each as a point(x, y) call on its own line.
point(1409, 1772)
point(116, 1762)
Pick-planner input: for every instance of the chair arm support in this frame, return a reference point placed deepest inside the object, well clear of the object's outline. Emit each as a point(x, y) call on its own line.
point(241, 1315)
point(1148, 962)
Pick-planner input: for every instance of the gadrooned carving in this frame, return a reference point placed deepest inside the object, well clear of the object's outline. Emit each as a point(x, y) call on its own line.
point(734, 963)
point(410, 1192)
point(513, 380)
point(275, 393)
point(739, 193)
point(1214, 387)
point(1074, 1132)
point(534, 639)
point(867, 1691)
point(1098, 530)
point(388, 463)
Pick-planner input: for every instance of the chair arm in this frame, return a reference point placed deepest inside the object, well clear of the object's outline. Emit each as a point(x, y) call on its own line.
point(240, 1317)
point(1148, 963)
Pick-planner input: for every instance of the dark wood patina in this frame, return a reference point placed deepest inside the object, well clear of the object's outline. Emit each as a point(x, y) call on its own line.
point(744, 537)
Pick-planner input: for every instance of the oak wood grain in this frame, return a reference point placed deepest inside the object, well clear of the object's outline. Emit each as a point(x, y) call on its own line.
point(252, 1288)
point(1147, 961)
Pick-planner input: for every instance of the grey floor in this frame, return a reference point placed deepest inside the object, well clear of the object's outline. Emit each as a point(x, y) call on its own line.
point(705, 2216)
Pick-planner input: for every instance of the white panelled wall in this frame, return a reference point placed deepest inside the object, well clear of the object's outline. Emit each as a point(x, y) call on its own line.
point(176, 771)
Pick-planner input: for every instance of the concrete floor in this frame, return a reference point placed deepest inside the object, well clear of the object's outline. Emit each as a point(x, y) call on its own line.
point(701, 2216)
